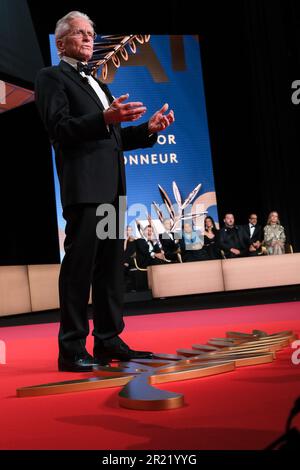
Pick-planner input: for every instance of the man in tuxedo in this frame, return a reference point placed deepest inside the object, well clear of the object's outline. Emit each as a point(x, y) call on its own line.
point(232, 239)
point(83, 122)
point(254, 235)
point(149, 251)
point(169, 243)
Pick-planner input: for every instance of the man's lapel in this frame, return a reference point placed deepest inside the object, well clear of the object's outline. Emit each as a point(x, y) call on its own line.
point(84, 85)
point(106, 90)
point(81, 81)
point(110, 100)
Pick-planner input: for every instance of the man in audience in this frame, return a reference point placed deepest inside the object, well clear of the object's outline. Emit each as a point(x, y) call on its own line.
point(232, 238)
point(254, 235)
point(148, 250)
point(168, 242)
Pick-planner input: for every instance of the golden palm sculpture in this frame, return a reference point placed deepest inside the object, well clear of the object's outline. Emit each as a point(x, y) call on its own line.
point(177, 216)
point(114, 47)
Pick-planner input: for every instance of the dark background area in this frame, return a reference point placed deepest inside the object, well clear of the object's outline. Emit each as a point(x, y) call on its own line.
point(250, 52)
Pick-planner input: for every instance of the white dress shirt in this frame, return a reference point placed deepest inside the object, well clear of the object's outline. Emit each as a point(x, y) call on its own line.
point(251, 228)
point(150, 248)
point(170, 235)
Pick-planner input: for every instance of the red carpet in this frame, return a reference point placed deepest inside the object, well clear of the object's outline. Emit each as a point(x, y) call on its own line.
point(244, 409)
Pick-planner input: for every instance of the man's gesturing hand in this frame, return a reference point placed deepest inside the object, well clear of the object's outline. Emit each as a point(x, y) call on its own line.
point(160, 121)
point(119, 112)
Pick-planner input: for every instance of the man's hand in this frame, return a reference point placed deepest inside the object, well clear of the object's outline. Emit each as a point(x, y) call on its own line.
point(235, 251)
point(160, 121)
point(254, 246)
point(160, 256)
point(119, 112)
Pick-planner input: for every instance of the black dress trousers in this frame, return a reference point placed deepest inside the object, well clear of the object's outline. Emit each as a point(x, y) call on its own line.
point(89, 261)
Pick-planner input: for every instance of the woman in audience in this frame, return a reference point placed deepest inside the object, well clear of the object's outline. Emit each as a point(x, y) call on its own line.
point(129, 246)
point(211, 238)
point(128, 261)
point(274, 235)
point(191, 245)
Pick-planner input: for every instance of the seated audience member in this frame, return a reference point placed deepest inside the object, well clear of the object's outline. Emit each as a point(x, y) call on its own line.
point(274, 235)
point(169, 243)
point(148, 250)
point(129, 248)
point(191, 245)
point(128, 261)
point(211, 236)
point(254, 235)
point(232, 239)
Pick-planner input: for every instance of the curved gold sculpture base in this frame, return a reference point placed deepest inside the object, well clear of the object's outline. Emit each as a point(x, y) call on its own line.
point(139, 377)
point(81, 385)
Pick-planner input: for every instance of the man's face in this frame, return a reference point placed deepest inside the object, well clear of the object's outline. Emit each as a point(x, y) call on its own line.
point(167, 224)
point(149, 233)
point(253, 219)
point(187, 228)
point(74, 43)
point(229, 220)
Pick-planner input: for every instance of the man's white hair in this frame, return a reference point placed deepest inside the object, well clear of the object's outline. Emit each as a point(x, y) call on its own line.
point(63, 25)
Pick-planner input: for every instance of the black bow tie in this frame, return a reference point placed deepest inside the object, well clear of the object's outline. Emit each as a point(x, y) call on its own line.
point(86, 68)
point(252, 226)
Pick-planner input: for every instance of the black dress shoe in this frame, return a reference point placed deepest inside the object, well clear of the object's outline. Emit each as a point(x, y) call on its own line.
point(115, 348)
point(84, 363)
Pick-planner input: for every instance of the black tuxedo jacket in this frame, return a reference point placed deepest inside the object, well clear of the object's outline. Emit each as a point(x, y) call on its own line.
point(143, 256)
point(256, 236)
point(168, 243)
point(235, 238)
point(89, 157)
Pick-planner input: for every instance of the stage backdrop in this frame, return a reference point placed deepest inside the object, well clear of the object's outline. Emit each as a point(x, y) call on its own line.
point(167, 69)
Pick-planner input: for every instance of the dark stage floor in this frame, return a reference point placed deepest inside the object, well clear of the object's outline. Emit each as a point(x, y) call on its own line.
point(141, 303)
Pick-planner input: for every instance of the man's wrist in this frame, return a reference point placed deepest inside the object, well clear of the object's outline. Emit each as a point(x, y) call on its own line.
point(150, 130)
point(106, 117)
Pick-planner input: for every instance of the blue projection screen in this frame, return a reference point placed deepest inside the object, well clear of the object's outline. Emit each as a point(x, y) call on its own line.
point(167, 69)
